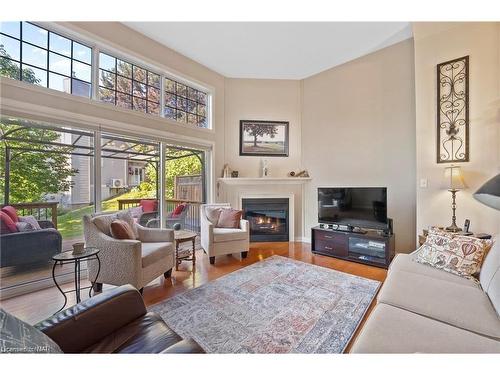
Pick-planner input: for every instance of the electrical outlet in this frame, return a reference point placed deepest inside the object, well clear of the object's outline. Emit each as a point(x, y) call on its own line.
point(423, 183)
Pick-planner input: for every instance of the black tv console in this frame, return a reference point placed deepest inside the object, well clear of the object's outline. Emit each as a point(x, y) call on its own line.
point(369, 248)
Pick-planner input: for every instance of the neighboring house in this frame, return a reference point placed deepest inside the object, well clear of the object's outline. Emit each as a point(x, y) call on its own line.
point(117, 176)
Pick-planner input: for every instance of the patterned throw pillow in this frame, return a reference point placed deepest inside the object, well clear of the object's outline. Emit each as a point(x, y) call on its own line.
point(31, 221)
point(17, 336)
point(457, 254)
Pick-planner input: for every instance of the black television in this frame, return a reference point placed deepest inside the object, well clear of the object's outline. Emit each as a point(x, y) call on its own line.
point(364, 207)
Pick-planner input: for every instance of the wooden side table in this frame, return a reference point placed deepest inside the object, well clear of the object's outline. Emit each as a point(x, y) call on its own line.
point(181, 236)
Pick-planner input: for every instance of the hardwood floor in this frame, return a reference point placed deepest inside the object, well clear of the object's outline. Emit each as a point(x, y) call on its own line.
point(37, 306)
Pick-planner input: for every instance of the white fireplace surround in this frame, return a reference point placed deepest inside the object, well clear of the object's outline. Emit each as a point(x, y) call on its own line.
point(291, 212)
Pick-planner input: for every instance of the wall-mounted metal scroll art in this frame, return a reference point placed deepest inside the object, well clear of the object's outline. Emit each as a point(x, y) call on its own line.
point(453, 111)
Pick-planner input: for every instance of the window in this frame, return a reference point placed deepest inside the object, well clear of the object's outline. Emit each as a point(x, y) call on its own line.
point(185, 104)
point(128, 86)
point(33, 54)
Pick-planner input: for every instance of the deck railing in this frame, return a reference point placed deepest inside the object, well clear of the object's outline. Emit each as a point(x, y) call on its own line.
point(40, 210)
point(192, 217)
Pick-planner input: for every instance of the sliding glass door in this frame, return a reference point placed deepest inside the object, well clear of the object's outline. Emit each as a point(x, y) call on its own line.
point(48, 174)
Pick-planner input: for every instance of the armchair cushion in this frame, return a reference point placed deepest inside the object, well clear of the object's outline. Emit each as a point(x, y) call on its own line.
point(229, 234)
point(213, 214)
point(154, 234)
point(178, 210)
point(121, 230)
point(149, 205)
point(153, 252)
point(103, 221)
point(229, 218)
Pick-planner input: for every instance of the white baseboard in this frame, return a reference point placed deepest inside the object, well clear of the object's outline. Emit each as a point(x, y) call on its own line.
point(303, 239)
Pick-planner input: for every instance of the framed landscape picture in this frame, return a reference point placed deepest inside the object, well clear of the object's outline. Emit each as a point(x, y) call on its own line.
point(263, 138)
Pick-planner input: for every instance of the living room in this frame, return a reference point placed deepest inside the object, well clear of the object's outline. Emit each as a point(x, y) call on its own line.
point(295, 187)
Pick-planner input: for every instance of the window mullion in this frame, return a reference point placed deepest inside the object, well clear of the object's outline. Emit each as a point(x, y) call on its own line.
point(95, 73)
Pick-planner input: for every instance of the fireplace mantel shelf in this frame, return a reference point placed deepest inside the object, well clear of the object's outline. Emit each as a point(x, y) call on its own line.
point(264, 180)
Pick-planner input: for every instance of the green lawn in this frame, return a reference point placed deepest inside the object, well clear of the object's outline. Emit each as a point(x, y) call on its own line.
point(70, 224)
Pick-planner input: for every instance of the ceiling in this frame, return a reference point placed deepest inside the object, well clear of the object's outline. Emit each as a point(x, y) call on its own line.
point(274, 50)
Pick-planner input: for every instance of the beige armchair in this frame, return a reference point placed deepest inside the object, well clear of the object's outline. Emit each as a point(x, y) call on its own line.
point(223, 241)
point(136, 262)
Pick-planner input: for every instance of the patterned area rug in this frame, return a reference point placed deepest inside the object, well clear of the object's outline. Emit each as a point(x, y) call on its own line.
point(278, 305)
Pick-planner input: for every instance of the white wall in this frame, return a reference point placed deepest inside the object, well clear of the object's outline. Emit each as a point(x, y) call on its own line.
point(358, 129)
point(436, 43)
point(254, 99)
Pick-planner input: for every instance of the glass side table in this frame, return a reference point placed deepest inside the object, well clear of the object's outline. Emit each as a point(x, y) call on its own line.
point(67, 257)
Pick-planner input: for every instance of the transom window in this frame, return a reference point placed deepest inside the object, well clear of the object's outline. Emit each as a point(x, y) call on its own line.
point(185, 104)
point(127, 85)
point(33, 54)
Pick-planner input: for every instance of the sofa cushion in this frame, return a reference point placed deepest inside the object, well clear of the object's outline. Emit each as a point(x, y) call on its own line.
point(152, 252)
point(229, 234)
point(229, 218)
point(407, 262)
point(457, 254)
point(466, 307)
point(7, 225)
point(31, 221)
point(393, 330)
point(147, 334)
point(491, 264)
point(121, 230)
point(11, 211)
point(24, 227)
point(494, 291)
point(19, 337)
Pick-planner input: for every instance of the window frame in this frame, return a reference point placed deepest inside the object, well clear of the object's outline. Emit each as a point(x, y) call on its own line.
point(47, 49)
point(117, 75)
point(98, 45)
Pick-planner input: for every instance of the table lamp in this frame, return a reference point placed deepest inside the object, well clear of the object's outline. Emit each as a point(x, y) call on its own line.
point(453, 182)
point(489, 193)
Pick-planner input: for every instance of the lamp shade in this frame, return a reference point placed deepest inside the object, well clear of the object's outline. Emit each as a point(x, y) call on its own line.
point(453, 178)
point(489, 193)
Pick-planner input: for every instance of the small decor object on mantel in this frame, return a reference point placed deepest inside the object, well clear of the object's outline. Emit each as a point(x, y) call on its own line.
point(225, 171)
point(453, 111)
point(234, 174)
point(263, 138)
point(303, 173)
point(264, 168)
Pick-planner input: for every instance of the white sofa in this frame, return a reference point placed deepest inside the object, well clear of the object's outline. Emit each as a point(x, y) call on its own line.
point(223, 241)
point(421, 309)
point(136, 262)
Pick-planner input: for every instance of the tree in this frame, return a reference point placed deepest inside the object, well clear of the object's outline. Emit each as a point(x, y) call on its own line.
point(10, 69)
point(259, 130)
point(184, 166)
point(35, 168)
